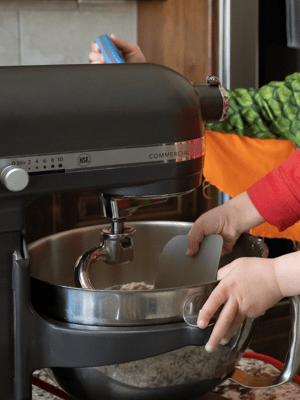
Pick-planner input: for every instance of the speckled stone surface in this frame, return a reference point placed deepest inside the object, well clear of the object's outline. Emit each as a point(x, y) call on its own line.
point(38, 394)
point(228, 389)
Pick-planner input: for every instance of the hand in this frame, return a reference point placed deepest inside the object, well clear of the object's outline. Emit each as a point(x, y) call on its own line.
point(131, 52)
point(229, 220)
point(248, 288)
point(213, 222)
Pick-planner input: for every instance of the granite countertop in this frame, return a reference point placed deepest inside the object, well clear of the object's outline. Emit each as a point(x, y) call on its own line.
point(229, 390)
point(233, 391)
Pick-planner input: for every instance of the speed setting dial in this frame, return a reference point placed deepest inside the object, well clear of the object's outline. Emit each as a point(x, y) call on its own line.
point(14, 178)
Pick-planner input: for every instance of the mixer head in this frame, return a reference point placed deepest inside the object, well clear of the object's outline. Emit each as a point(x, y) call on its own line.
point(133, 130)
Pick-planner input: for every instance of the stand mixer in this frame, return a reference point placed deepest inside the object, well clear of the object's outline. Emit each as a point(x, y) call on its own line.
point(131, 131)
point(134, 133)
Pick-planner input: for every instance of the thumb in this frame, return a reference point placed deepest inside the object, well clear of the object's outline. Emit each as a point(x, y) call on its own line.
point(95, 48)
point(122, 44)
point(196, 235)
point(222, 272)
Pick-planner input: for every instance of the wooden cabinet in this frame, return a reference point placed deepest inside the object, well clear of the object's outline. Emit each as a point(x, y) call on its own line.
point(181, 35)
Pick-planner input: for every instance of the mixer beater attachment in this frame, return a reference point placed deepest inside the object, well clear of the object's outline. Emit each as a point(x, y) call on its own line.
point(117, 241)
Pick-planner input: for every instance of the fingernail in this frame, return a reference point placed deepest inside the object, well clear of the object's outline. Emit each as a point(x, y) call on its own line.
point(224, 341)
point(189, 252)
point(208, 348)
point(201, 324)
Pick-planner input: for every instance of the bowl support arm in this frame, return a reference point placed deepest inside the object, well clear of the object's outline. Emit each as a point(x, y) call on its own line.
point(292, 359)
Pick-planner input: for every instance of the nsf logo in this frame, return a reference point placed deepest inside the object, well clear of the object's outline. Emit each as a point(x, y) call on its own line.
point(84, 160)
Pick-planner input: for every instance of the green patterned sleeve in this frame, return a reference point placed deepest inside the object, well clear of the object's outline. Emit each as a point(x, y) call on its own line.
point(271, 112)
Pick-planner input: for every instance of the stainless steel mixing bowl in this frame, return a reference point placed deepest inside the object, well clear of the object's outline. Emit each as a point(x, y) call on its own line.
point(52, 266)
point(187, 372)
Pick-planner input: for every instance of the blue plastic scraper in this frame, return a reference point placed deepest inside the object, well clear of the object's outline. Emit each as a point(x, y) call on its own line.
point(111, 53)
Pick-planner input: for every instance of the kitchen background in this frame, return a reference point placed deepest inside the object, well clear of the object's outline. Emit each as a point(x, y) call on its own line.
point(183, 35)
point(60, 32)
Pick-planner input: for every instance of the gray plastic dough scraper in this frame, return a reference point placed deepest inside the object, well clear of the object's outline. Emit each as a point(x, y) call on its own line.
point(176, 269)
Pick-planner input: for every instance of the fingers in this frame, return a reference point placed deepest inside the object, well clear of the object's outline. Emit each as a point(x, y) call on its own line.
point(96, 58)
point(131, 51)
point(228, 243)
point(217, 298)
point(95, 48)
point(229, 316)
point(122, 45)
point(232, 329)
point(222, 272)
point(209, 223)
point(196, 235)
point(228, 320)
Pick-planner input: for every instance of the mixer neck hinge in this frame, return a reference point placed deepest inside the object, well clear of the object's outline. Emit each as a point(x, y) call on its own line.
point(120, 207)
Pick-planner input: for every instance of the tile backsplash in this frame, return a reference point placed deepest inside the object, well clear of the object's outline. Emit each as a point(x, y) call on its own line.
point(44, 32)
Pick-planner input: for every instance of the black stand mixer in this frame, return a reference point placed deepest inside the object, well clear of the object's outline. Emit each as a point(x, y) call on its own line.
point(133, 132)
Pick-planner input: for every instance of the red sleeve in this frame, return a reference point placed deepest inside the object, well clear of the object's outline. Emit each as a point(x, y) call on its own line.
point(277, 196)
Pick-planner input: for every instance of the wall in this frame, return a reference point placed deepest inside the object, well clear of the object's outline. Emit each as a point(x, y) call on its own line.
point(40, 32)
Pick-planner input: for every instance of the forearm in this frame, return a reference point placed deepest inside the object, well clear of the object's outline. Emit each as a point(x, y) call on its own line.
point(241, 210)
point(287, 270)
point(229, 220)
point(277, 195)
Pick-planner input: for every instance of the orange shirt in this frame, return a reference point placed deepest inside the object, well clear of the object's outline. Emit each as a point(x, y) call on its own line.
point(234, 163)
